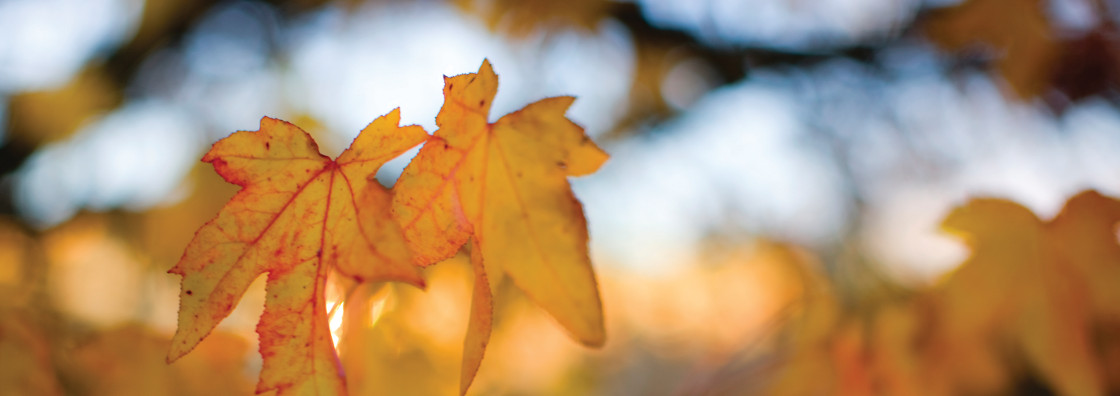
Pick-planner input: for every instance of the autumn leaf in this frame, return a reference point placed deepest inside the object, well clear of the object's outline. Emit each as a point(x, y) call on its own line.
point(298, 215)
point(506, 185)
point(1084, 233)
point(1026, 42)
point(1032, 283)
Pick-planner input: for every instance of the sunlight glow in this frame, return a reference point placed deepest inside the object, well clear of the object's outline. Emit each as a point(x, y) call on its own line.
point(335, 320)
point(377, 307)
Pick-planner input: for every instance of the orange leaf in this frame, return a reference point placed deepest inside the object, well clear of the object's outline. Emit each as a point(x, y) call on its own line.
point(506, 184)
point(1084, 232)
point(298, 215)
point(1028, 46)
point(1025, 283)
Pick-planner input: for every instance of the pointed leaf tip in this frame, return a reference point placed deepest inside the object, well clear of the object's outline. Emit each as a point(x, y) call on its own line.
point(486, 69)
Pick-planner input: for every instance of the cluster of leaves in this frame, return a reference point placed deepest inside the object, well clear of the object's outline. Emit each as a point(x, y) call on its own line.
point(1036, 302)
point(1036, 57)
point(300, 215)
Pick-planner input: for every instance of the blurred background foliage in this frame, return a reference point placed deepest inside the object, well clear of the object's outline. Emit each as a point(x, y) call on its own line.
point(768, 223)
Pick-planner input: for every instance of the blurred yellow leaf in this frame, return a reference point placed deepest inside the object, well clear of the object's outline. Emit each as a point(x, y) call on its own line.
point(1084, 234)
point(1017, 30)
point(1024, 284)
point(406, 341)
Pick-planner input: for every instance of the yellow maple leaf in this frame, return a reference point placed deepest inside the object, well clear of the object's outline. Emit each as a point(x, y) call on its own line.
point(298, 215)
point(505, 184)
